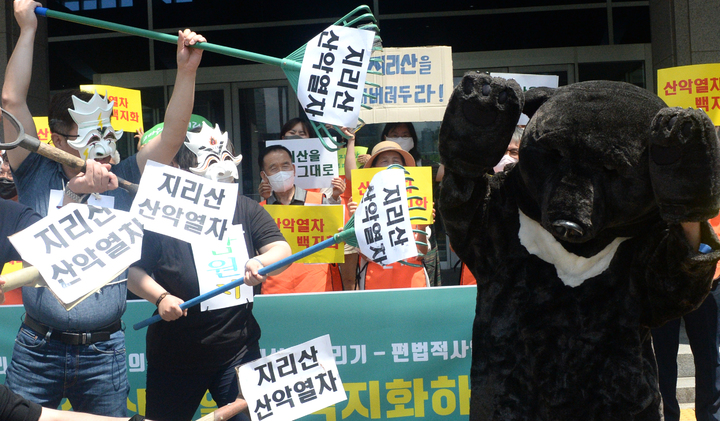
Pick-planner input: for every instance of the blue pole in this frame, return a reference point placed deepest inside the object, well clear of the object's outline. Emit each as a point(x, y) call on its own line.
point(237, 282)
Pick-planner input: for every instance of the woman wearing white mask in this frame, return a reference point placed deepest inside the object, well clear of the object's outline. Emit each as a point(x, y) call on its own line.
point(404, 135)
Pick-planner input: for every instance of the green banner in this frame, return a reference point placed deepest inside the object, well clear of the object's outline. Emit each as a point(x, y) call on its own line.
point(401, 354)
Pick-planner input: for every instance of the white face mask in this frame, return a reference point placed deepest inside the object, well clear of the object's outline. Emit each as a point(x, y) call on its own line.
point(281, 181)
point(406, 143)
point(506, 159)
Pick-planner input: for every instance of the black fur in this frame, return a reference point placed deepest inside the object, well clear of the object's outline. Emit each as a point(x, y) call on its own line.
point(543, 350)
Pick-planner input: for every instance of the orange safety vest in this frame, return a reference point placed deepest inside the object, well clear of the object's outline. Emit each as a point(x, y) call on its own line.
point(396, 275)
point(302, 277)
point(715, 223)
point(466, 277)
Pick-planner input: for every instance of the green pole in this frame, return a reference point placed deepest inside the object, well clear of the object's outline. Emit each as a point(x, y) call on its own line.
point(172, 39)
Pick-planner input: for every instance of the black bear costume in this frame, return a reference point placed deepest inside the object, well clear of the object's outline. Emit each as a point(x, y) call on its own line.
point(579, 248)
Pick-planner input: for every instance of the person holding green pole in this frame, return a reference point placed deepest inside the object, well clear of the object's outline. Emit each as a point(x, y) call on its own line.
point(80, 354)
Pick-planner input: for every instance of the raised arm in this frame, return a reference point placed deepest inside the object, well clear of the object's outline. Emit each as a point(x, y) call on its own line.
point(17, 78)
point(350, 163)
point(477, 126)
point(177, 116)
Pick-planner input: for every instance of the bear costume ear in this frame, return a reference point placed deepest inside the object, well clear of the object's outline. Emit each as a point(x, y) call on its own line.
point(536, 97)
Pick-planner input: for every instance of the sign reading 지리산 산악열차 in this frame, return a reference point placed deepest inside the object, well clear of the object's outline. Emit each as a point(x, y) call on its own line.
point(382, 219)
point(183, 205)
point(80, 248)
point(332, 77)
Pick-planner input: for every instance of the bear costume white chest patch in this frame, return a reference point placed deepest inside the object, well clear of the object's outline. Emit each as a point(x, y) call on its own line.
point(572, 269)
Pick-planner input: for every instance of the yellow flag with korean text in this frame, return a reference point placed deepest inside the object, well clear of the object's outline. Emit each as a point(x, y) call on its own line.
point(127, 111)
point(419, 190)
point(696, 86)
point(305, 226)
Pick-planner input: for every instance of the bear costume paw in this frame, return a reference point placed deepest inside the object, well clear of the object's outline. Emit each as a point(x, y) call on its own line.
point(685, 165)
point(479, 122)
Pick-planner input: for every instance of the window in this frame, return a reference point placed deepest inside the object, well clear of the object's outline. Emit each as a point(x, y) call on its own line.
point(75, 5)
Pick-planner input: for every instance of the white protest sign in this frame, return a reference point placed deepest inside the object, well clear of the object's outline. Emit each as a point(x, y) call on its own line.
point(332, 76)
point(292, 383)
point(80, 248)
point(415, 85)
point(382, 219)
point(183, 205)
point(315, 166)
point(219, 263)
point(528, 82)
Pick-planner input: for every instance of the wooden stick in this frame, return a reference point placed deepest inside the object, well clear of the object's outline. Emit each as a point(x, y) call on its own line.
point(23, 277)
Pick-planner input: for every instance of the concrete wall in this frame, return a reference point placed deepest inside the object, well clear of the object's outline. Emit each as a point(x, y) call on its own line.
point(685, 32)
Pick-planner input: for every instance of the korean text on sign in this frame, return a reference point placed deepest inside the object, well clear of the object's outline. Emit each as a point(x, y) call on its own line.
point(315, 166)
point(305, 226)
point(183, 205)
point(127, 110)
point(332, 76)
point(696, 86)
point(219, 263)
point(382, 220)
point(292, 383)
point(419, 189)
point(80, 248)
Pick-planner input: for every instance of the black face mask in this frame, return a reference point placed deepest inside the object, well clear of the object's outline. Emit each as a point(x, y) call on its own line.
point(7, 188)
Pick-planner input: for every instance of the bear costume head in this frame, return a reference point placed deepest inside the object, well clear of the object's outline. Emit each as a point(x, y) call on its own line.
point(579, 248)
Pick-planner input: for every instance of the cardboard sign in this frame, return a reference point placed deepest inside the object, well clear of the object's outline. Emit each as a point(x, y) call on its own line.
point(382, 219)
point(528, 82)
point(292, 383)
point(696, 86)
point(183, 205)
point(415, 85)
point(418, 182)
point(43, 129)
point(315, 166)
point(80, 248)
point(127, 111)
point(305, 226)
point(219, 263)
point(359, 150)
point(332, 76)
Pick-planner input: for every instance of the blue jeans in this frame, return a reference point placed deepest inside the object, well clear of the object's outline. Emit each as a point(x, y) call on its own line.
point(703, 331)
point(92, 377)
point(173, 396)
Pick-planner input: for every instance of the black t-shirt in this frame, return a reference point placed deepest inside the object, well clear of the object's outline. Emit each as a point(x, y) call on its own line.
point(202, 341)
point(14, 407)
point(14, 217)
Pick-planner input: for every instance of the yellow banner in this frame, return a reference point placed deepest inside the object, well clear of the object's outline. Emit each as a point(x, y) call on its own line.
point(305, 226)
point(421, 178)
point(696, 86)
point(359, 150)
point(43, 129)
point(127, 111)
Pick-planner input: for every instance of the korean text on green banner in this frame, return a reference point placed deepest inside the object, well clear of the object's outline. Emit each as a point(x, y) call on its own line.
point(402, 354)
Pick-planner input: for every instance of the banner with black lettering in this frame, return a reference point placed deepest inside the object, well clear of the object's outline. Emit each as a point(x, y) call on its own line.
point(183, 205)
point(332, 77)
point(80, 248)
point(382, 219)
point(292, 383)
